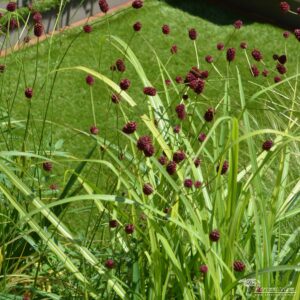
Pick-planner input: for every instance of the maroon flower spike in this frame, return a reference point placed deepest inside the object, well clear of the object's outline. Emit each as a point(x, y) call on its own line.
point(281, 68)
point(197, 184)
point(298, 10)
point(38, 29)
point(254, 71)
point(277, 79)
point(171, 167)
point(37, 17)
point(176, 129)
point(103, 6)
point(174, 49)
point(13, 24)
point(284, 6)
point(11, 6)
point(230, 55)
point(256, 54)
point(243, 45)
point(214, 236)
point(267, 145)
point(209, 115)
point(113, 223)
point(89, 79)
point(137, 4)
point(220, 46)
point(225, 167)
point(197, 85)
point(265, 73)
point(180, 110)
point(137, 26)
point(53, 187)
point(120, 65)
point(147, 189)
point(282, 59)
point(47, 166)
point(163, 160)
point(188, 183)
point(201, 137)
point(179, 79)
point(150, 91)
point(238, 24)
point(28, 93)
point(94, 130)
point(197, 162)
point(204, 74)
point(193, 34)
point(2, 68)
point(209, 59)
point(149, 150)
point(129, 228)
point(165, 29)
point(167, 81)
point(286, 34)
point(185, 97)
point(110, 264)
point(203, 269)
point(87, 28)
point(143, 141)
point(275, 56)
point(115, 98)
point(130, 127)
point(239, 266)
point(297, 34)
point(179, 156)
point(167, 210)
point(125, 84)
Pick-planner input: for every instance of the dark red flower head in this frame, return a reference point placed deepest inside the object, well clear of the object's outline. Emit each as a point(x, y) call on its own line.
point(284, 6)
point(103, 6)
point(281, 68)
point(225, 167)
point(188, 183)
point(238, 24)
point(197, 184)
point(256, 54)
point(209, 114)
point(176, 129)
point(239, 266)
point(149, 150)
point(137, 26)
point(254, 71)
point(286, 34)
point(165, 29)
point(282, 59)
point(297, 34)
point(171, 167)
point(185, 97)
point(13, 24)
point(147, 189)
point(89, 79)
point(201, 137)
point(298, 10)
point(37, 17)
point(179, 79)
point(180, 110)
point(38, 29)
point(193, 34)
point(267, 145)
point(28, 92)
point(220, 46)
point(47, 166)
point(129, 127)
point(87, 28)
point(137, 4)
point(197, 85)
point(150, 91)
point(275, 56)
point(243, 45)
point(197, 162)
point(209, 59)
point(2, 68)
point(120, 65)
point(167, 81)
point(179, 156)
point(125, 84)
point(265, 72)
point(94, 130)
point(113, 223)
point(143, 141)
point(129, 228)
point(11, 6)
point(115, 98)
point(174, 49)
point(214, 236)
point(162, 160)
point(53, 187)
point(203, 269)
point(230, 55)
point(277, 79)
point(110, 264)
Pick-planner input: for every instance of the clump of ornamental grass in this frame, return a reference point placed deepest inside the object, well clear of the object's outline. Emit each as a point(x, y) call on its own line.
point(183, 199)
